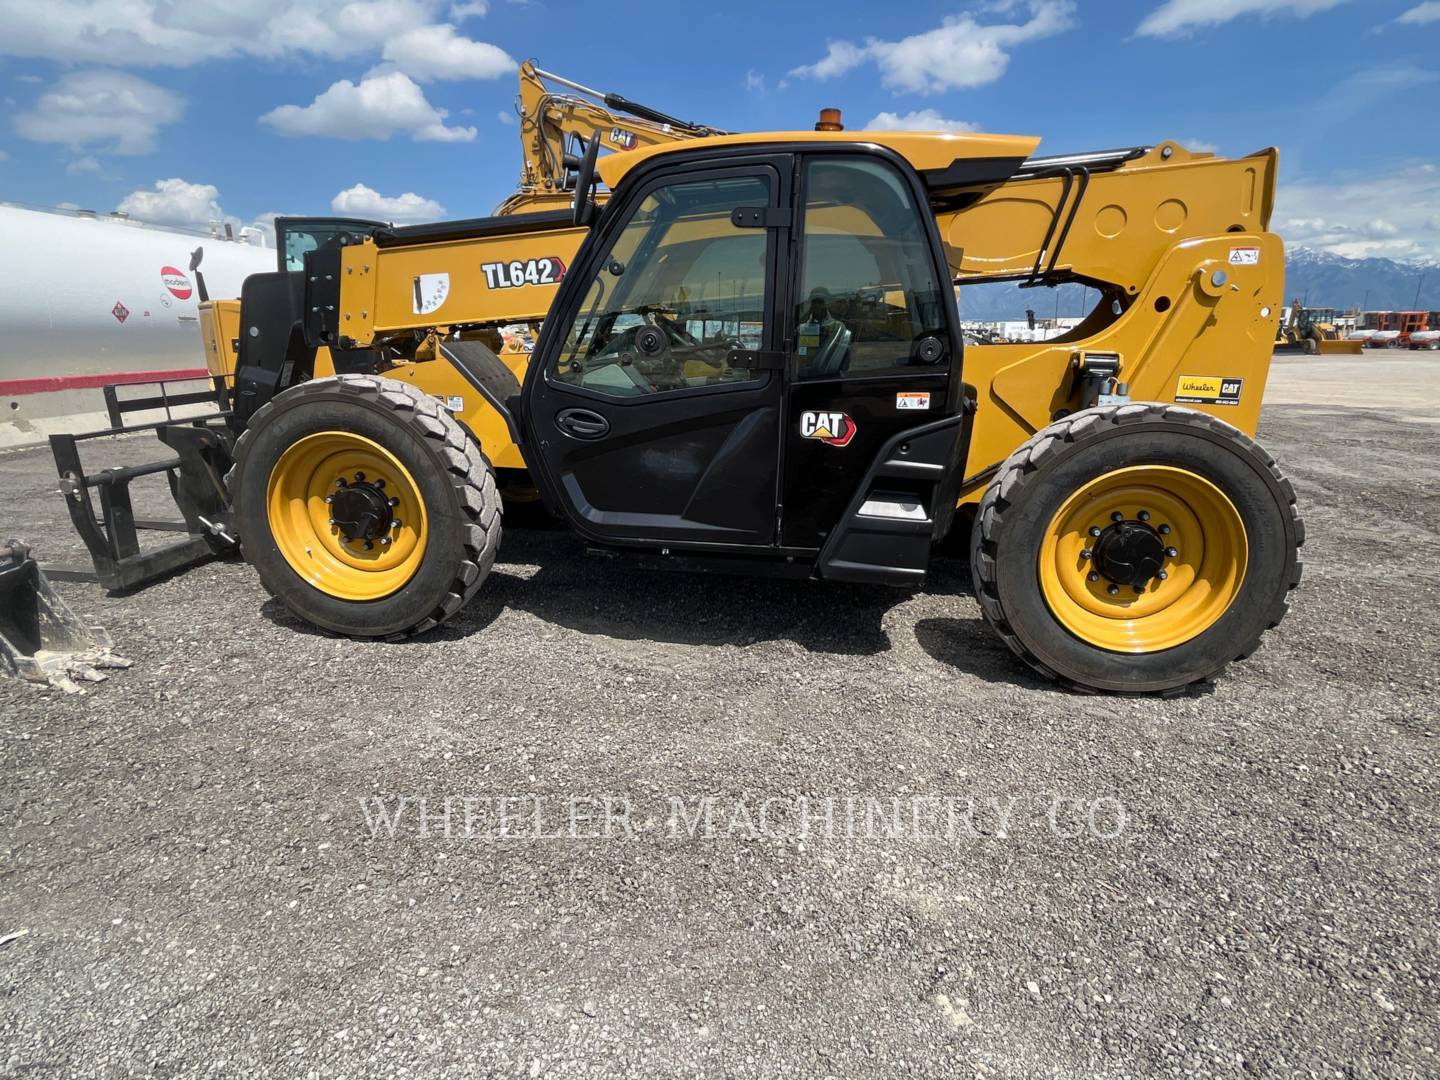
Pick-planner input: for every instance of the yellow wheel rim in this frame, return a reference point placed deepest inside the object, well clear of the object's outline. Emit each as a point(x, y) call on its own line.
point(366, 565)
point(1204, 548)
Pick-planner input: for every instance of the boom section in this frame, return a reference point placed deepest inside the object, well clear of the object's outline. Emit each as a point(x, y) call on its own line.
point(453, 275)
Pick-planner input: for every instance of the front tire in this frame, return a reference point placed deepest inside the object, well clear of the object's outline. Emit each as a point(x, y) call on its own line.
point(364, 506)
point(1136, 548)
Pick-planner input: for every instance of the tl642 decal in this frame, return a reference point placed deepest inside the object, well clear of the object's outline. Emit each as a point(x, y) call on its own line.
point(520, 272)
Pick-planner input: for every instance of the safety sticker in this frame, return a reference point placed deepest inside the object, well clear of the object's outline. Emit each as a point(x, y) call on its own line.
point(430, 292)
point(1246, 256)
point(833, 428)
point(120, 311)
point(520, 272)
point(453, 403)
point(912, 399)
point(1208, 390)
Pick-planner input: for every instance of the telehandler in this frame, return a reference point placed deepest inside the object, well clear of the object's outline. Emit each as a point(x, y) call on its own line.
point(751, 361)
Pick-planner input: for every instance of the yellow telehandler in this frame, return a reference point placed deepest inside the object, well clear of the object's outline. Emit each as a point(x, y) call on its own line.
point(751, 361)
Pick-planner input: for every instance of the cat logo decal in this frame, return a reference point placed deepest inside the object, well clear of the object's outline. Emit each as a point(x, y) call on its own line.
point(833, 428)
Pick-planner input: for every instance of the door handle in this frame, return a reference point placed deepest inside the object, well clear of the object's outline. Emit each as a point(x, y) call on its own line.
point(582, 423)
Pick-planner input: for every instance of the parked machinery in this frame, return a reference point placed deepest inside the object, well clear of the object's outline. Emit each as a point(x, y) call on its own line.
point(751, 361)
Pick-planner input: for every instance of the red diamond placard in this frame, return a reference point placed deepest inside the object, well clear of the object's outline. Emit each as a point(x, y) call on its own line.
point(120, 311)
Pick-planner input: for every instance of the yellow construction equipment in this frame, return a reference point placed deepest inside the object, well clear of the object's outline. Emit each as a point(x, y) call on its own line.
point(1313, 331)
point(751, 361)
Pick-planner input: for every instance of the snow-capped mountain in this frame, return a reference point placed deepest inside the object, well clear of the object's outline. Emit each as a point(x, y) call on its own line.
point(1322, 279)
point(1318, 278)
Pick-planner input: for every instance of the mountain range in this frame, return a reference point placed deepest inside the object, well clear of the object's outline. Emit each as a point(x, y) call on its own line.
point(1317, 278)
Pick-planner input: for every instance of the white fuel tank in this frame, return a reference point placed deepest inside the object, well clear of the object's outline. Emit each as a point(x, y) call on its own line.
point(85, 294)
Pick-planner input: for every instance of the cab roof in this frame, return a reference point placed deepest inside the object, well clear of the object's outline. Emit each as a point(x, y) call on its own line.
point(970, 157)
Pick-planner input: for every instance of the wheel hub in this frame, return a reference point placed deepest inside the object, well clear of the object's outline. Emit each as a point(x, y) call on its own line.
point(1129, 553)
point(1142, 558)
point(360, 509)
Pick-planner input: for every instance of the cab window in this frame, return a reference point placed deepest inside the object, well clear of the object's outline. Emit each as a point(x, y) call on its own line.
point(681, 288)
point(868, 288)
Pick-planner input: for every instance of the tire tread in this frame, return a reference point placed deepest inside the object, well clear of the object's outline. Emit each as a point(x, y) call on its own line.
point(468, 469)
point(1019, 470)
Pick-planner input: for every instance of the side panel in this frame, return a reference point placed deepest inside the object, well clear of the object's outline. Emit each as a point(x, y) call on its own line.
point(220, 330)
point(1181, 326)
point(441, 379)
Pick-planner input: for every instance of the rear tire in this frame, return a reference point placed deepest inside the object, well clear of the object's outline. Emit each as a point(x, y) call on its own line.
point(438, 479)
point(1057, 612)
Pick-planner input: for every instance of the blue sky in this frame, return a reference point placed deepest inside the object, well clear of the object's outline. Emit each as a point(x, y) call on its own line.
point(183, 110)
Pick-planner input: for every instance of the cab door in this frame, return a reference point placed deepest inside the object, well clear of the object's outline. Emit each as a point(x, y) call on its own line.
point(652, 411)
point(876, 425)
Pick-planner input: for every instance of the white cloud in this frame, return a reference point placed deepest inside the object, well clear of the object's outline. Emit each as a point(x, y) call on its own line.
point(919, 120)
point(1420, 14)
point(473, 10)
point(1200, 146)
point(1370, 215)
point(437, 52)
point(381, 105)
point(122, 112)
point(361, 201)
point(754, 82)
point(174, 202)
point(82, 165)
point(840, 57)
point(1177, 16)
point(163, 33)
point(4, 156)
point(960, 53)
point(508, 117)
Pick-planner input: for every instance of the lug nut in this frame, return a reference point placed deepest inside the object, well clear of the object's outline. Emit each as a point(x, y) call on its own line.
point(1117, 516)
point(329, 499)
point(1164, 530)
point(1144, 515)
point(1092, 576)
point(332, 521)
point(359, 477)
point(384, 541)
point(368, 545)
point(380, 483)
point(394, 502)
point(1163, 574)
point(1094, 530)
point(1086, 553)
point(1113, 590)
point(395, 524)
point(340, 482)
point(1172, 552)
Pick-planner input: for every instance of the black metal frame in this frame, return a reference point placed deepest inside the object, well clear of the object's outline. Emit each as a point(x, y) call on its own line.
point(196, 476)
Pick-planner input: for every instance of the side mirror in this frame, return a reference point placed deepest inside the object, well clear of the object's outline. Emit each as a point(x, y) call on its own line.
point(195, 258)
point(585, 182)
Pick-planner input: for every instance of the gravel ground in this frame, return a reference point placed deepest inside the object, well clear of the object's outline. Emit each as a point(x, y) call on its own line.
point(1241, 882)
